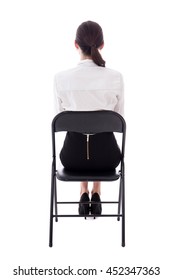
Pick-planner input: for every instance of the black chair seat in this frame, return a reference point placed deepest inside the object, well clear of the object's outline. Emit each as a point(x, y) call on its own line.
point(77, 176)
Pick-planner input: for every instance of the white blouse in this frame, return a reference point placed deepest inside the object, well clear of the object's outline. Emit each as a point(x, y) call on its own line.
point(89, 87)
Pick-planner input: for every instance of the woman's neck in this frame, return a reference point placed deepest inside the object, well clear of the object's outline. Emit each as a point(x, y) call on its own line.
point(83, 57)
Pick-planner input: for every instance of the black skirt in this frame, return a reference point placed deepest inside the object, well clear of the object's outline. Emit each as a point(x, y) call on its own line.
point(90, 152)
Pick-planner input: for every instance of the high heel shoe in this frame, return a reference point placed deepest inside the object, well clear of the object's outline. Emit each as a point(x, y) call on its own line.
point(96, 208)
point(84, 207)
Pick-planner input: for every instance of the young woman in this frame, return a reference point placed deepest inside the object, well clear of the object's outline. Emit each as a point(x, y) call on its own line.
point(89, 86)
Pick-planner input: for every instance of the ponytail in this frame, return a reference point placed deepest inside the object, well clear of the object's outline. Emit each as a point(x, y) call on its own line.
point(96, 56)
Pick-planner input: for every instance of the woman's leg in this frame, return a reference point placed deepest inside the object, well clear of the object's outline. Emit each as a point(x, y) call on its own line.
point(84, 188)
point(96, 188)
point(96, 207)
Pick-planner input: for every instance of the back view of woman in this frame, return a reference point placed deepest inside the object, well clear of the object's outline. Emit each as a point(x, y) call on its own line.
point(87, 87)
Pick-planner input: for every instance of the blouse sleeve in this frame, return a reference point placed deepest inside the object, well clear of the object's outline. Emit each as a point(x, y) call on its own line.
point(119, 108)
point(57, 100)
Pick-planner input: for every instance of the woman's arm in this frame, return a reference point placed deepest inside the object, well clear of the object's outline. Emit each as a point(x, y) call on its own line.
point(57, 99)
point(119, 108)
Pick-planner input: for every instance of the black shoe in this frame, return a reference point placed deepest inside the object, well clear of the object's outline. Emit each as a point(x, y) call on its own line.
point(84, 207)
point(96, 209)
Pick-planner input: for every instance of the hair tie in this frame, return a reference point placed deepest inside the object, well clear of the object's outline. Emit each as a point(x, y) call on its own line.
point(93, 46)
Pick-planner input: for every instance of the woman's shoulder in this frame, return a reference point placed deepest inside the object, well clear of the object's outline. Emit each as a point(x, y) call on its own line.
point(113, 71)
point(113, 74)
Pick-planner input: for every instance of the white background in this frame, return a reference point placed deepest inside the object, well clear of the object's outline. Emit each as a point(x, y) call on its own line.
point(37, 40)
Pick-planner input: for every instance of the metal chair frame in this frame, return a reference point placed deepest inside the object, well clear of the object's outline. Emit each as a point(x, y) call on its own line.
point(87, 122)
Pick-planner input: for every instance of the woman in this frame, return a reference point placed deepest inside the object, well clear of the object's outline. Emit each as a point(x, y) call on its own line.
point(89, 86)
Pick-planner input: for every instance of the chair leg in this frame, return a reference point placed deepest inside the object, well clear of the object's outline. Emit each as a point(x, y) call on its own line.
point(123, 212)
point(51, 209)
point(56, 207)
point(119, 201)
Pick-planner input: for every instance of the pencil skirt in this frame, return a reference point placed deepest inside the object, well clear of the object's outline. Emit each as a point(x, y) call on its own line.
point(92, 152)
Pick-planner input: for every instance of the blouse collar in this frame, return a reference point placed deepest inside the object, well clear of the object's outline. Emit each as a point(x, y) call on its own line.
point(87, 62)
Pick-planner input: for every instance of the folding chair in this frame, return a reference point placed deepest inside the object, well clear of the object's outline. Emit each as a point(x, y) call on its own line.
point(88, 122)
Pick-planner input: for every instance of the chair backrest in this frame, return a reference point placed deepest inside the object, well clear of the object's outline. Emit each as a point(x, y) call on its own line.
point(89, 122)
